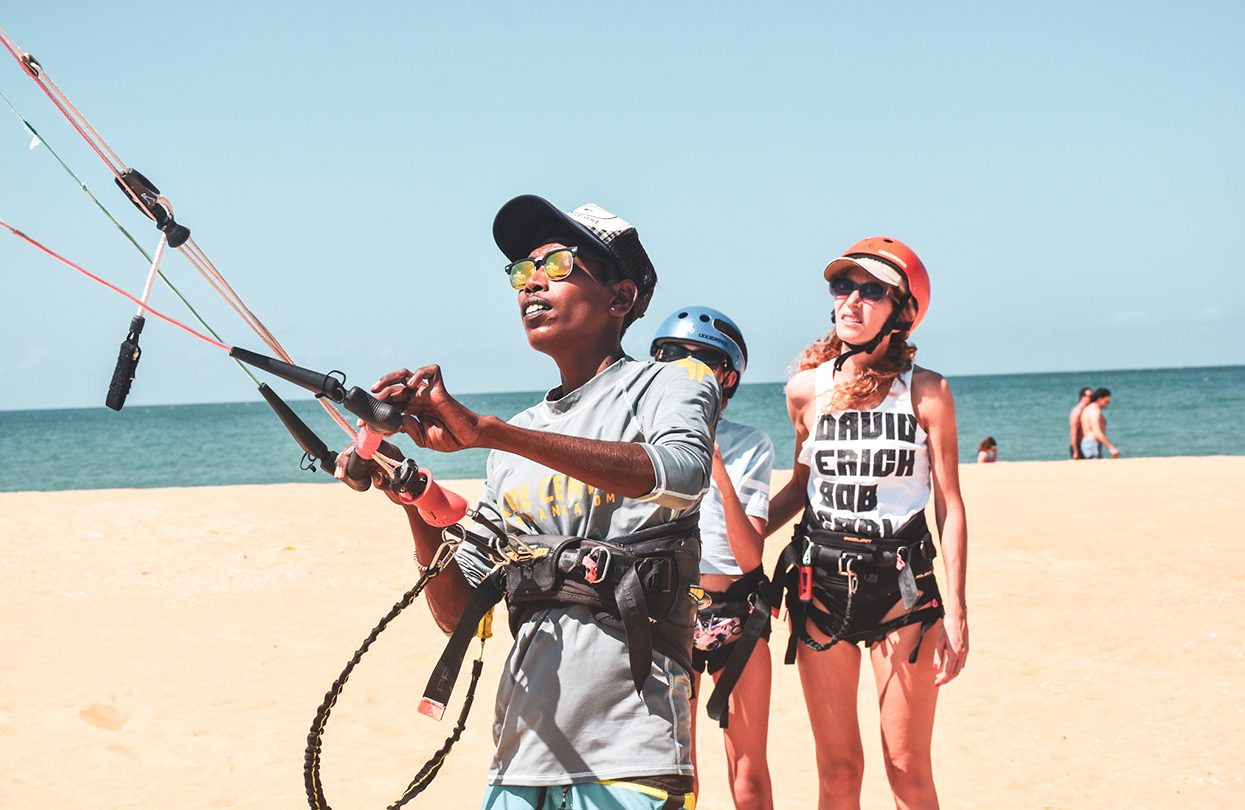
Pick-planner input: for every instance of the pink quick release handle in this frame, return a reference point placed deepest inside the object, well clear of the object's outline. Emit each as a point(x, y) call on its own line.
point(367, 443)
point(436, 504)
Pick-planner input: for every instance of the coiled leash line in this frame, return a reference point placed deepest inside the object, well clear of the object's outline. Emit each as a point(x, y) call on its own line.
point(316, 799)
point(438, 507)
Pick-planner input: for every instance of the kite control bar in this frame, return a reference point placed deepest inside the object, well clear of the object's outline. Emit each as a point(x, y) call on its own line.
point(380, 416)
point(314, 448)
point(437, 506)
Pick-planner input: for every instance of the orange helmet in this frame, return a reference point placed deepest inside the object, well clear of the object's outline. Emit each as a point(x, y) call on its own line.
point(892, 262)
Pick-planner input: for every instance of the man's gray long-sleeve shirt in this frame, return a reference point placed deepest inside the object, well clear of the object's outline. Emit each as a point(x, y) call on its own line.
point(567, 710)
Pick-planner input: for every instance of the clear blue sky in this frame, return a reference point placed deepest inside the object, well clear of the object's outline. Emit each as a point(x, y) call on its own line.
point(1070, 172)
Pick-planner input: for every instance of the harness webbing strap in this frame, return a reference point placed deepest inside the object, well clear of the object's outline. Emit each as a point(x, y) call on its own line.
point(433, 766)
point(753, 627)
point(787, 561)
point(633, 610)
point(441, 683)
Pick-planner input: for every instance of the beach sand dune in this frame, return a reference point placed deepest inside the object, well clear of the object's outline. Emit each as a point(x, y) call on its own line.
point(168, 648)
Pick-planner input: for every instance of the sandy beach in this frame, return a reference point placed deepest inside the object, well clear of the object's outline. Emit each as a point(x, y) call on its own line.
point(168, 648)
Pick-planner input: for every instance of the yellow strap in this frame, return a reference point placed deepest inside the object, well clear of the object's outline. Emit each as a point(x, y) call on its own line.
point(485, 630)
point(689, 799)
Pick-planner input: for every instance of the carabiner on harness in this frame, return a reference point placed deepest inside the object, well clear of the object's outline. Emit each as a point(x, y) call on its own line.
point(596, 564)
point(847, 568)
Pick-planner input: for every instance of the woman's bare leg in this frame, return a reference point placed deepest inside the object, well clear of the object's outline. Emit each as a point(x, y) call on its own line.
point(830, 680)
point(907, 698)
point(747, 733)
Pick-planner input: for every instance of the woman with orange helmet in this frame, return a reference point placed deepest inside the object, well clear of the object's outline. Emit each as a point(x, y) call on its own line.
point(875, 440)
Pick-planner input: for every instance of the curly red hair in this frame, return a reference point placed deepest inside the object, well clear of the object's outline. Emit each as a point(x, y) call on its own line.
point(869, 379)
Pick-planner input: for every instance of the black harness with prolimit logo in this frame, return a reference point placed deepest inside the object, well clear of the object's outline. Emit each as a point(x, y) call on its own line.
point(640, 583)
point(844, 584)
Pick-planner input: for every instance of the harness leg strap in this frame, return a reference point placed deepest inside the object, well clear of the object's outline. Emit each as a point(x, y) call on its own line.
point(926, 624)
point(754, 626)
point(633, 610)
point(788, 562)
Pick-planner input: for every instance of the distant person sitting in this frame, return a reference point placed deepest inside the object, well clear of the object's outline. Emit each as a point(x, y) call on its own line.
point(1074, 423)
point(1094, 427)
point(988, 451)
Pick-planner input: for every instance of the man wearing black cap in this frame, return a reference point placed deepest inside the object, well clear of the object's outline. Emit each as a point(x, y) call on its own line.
point(592, 709)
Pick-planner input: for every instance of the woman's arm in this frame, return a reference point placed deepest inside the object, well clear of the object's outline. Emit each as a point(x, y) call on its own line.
point(789, 500)
point(935, 409)
point(745, 533)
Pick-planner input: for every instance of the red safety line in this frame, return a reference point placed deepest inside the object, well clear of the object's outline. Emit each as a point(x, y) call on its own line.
point(112, 287)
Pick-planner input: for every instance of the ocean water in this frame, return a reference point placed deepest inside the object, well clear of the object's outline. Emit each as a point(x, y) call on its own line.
point(1153, 412)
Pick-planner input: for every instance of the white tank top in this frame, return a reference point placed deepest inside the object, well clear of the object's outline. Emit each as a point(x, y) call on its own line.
point(868, 471)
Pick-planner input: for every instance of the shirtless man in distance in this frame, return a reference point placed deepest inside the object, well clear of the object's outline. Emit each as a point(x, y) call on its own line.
point(1094, 427)
point(1074, 423)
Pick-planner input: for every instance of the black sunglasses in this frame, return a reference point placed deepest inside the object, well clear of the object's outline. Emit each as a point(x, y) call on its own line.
point(843, 286)
point(667, 352)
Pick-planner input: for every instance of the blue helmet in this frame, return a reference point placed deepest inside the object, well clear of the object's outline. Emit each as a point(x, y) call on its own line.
point(706, 327)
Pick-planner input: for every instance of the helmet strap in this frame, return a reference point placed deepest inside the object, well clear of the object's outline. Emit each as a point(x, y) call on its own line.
point(890, 327)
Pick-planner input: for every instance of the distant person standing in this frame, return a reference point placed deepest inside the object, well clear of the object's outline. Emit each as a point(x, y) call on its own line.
point(988, 451)
point(1094, 427)
point(1074, 423)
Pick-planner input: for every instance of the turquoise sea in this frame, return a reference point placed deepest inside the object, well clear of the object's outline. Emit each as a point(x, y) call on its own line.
point(1154, 412)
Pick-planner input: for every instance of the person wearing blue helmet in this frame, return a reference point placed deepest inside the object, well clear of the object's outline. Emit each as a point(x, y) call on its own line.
point(733, 622)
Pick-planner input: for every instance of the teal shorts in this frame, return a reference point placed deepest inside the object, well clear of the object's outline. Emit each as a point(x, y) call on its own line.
point(609, 795)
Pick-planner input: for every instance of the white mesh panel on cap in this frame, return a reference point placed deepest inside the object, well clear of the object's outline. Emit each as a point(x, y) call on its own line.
point(601, 222)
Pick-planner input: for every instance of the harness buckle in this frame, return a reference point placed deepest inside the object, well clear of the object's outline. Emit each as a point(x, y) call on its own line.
point(524, 553)
point(596, 564)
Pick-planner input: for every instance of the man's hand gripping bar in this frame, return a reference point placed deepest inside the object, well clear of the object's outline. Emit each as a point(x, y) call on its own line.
point(414, 486)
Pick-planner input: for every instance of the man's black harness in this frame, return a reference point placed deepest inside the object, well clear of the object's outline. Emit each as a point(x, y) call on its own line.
point(642, 582)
